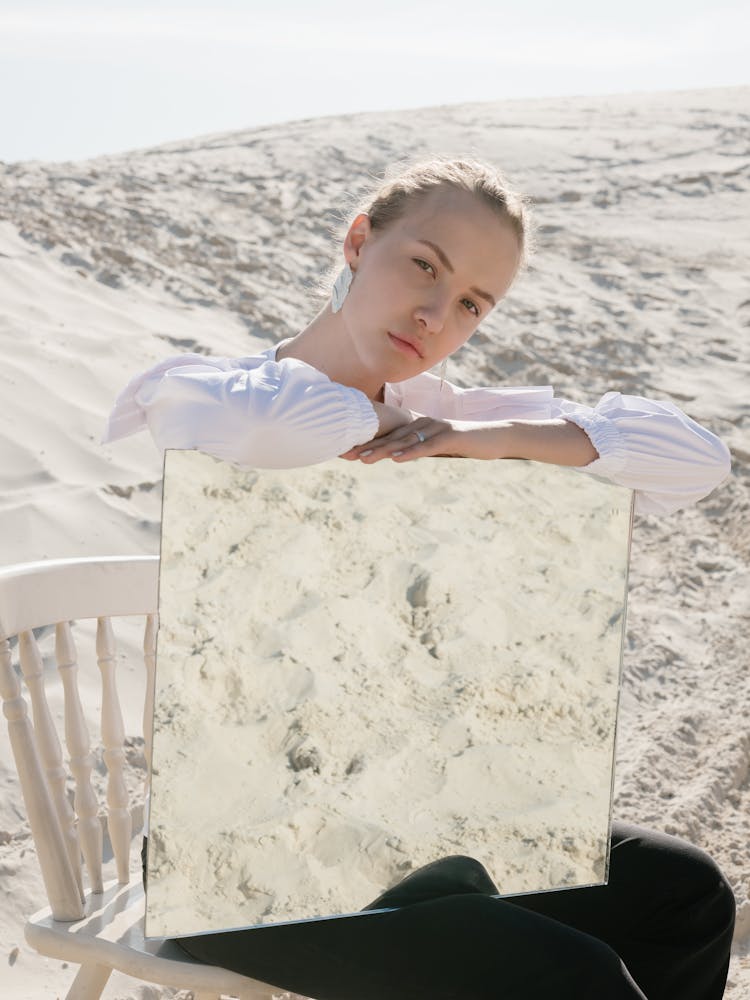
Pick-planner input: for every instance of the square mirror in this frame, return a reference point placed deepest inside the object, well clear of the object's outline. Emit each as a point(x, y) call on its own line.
point(362, 669)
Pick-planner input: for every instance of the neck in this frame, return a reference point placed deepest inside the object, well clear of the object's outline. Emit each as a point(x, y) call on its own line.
point(326, 345)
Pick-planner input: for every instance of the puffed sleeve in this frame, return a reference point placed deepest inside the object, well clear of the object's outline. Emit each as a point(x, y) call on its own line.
point(652, 447)
point(646, 445)
point(255, 412)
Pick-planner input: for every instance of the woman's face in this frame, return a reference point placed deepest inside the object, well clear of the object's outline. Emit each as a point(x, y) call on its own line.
point(423, 285)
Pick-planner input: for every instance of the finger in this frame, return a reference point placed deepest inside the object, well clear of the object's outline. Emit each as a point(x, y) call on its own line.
point(385, 449)
point(392, 438)
point(369, 446)
point(418, 450)
point(370, 455)
point(430, 448)
point(405, 433)
point(417, 439)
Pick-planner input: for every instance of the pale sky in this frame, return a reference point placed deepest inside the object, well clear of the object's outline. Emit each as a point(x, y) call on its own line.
point(82, 79)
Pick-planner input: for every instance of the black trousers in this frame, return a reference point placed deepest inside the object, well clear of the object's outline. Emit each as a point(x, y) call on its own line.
point(660, 929)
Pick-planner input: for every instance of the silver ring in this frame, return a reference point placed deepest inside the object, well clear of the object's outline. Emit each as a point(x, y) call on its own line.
point(421, 436)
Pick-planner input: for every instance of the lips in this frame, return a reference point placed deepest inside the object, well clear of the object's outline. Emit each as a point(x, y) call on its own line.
point(407, 344)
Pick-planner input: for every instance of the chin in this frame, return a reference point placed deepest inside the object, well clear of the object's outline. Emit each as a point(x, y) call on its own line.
point(403, 374)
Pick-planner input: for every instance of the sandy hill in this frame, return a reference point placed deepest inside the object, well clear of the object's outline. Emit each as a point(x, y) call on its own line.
point(214, 244)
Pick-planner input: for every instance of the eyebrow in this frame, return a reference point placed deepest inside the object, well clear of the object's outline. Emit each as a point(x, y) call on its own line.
point(446, 263)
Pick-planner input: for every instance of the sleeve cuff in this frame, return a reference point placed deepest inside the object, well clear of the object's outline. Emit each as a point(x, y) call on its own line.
point(363, 424)
point(607, 440)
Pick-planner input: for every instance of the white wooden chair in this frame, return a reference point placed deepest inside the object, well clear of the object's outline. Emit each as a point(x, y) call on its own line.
point(99, 927)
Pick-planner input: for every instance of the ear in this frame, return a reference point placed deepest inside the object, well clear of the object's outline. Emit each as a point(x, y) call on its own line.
point(359, 231)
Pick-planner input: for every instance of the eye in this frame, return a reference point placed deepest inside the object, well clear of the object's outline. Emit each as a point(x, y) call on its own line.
point(473, 307)
point(418, 261)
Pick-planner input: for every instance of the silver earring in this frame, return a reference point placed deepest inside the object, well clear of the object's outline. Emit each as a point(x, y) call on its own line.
point(341, 288)
point(443, 366)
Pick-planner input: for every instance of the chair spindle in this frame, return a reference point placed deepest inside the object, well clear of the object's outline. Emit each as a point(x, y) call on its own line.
point(81, 758)
point(119, 822)
point(62, 887)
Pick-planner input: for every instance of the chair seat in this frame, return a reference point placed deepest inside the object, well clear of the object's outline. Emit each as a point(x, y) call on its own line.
point(111, 933)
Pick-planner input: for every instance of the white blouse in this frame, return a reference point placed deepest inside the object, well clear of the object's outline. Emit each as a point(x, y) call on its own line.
point(261, 413)
point(257, 412)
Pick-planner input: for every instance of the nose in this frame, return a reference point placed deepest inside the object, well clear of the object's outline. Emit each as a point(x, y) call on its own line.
point(432, 312)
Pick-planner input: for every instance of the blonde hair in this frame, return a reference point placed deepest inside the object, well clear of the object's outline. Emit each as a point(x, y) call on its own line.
point(388, 199)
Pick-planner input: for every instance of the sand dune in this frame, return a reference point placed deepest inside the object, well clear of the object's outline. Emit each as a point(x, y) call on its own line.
point(213, 244)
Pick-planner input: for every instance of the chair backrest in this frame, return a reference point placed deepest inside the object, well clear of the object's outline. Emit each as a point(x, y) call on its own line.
point(59, 593)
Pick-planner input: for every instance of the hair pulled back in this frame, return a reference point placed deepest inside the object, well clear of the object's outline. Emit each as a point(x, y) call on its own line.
point(388, 199)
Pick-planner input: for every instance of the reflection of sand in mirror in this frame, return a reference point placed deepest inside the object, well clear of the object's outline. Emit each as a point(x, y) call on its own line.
point(362, 669)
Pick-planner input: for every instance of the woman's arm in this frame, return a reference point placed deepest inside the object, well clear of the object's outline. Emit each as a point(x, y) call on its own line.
point(556, 441)
point(652, 447)
point(254, 412)
point(649, 446)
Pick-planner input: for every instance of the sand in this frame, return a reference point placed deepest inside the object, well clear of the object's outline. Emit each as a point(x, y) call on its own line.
point(212, 244)
point(363, 669)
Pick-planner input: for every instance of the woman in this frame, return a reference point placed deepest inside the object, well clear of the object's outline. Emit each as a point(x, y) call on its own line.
point(427, 258)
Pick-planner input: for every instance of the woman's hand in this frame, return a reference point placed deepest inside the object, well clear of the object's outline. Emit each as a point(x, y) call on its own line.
point(390, 419)
point(402, 444)
point(557, 441)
